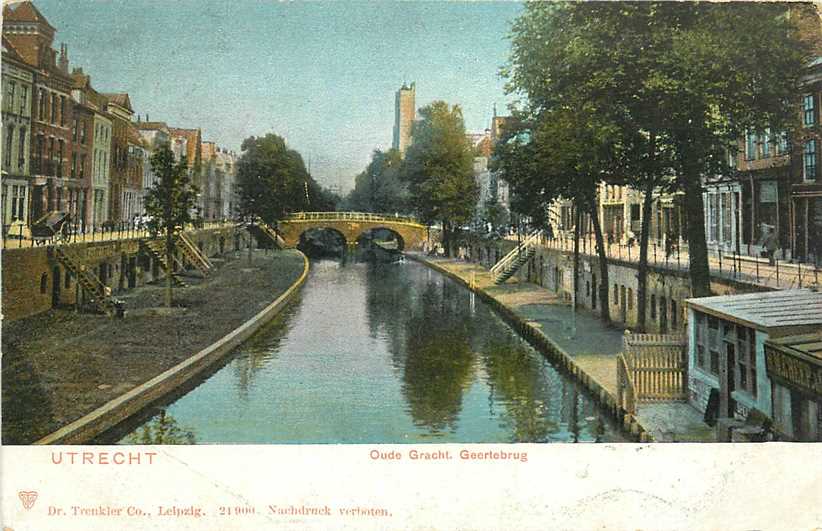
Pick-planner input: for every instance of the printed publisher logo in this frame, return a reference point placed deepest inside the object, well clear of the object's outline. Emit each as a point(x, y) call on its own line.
point(28, 497)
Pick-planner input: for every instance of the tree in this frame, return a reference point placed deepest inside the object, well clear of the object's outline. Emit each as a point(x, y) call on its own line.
point(680, 80)
point(272, 179)
point(169, 203)
point(439, 169)
point(380, 188)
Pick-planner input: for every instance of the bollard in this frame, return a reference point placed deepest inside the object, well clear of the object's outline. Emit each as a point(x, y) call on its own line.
point(757, 269)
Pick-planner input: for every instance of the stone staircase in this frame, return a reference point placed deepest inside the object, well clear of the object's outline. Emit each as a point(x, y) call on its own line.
point(157, 250)
point(272, 234)
point(513, 261)
point(98, 292)
point(193, 254)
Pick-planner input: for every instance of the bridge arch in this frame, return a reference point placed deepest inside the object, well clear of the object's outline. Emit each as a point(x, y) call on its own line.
point(352, 225)
point(371, 232)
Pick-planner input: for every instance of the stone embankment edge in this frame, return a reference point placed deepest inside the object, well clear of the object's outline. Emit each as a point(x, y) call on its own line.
point(554, 352)
point(84, 429)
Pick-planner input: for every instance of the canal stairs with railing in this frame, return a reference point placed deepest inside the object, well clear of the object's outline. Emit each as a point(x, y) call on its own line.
point(193, 255)
point(156, 249)
point(273, 235)
point(509, 264)
point(93, 288)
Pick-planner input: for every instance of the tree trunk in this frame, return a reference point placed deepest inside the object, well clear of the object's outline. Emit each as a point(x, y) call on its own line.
point(577, 216)
point(642, 273)
point(250, 239)
point(170, 262)
point(605, 304)
point(699, 272)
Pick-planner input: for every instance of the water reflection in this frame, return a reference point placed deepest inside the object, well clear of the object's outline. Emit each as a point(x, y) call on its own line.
point(386, 353)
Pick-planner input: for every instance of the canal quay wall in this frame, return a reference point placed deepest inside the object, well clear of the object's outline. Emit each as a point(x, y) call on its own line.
point(594, 375)
point(553, 269)
point(102, 419)
point(35, 282)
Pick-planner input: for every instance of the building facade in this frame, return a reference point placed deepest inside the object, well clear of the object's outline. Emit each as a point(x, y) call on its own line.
point(31, 35)
point(404, 116)
point(17, 83)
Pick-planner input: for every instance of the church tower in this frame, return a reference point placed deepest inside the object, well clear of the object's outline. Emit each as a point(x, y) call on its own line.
point(404, 115)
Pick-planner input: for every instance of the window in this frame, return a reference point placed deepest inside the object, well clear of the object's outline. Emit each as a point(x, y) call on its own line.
point(750, 146)
point(653, 307)
point(54, 108)
point(82, 132)
point(713, 217)
point(18, 202)
point(62, 110)
point(82, 165)
point(630, 298)
point(809, 110)
point(727, 217)
point(74, 130)
point(41, 111)
point(68, 279)
point(765, 140)
point(616, 294)
point(782, 143)
point(61, 144)
point(701, 341)
point(10, 94)
point(713, 344)
point(740, 345)
point(73, 165)
point(24, 99)
point(9, 143)
point(21, 153)
point(810, 160)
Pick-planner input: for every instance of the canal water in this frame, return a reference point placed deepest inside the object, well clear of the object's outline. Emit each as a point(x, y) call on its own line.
point(382, 353)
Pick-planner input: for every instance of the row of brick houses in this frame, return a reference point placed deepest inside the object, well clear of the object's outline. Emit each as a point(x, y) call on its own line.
point(68, 147)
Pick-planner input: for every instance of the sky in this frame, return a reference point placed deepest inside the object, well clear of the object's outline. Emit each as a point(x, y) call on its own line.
point(321, 74)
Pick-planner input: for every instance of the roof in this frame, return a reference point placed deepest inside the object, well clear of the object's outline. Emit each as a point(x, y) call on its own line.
point(121, 99)
point(808, 346)
point(10, 52)
point(24, 12)
point(773, 309)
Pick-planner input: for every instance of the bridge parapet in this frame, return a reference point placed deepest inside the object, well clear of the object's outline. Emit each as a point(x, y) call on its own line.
point(351, 216)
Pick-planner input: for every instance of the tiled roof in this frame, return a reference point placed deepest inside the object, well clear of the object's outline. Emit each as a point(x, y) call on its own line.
point(24, 12)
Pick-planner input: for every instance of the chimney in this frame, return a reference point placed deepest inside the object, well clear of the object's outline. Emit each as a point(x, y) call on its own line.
point(147, 118)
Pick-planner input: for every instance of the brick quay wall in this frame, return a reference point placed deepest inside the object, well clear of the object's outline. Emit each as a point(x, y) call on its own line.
point(34, 281)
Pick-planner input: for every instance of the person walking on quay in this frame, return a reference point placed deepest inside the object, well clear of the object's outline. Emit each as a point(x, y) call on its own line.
point(770, 243)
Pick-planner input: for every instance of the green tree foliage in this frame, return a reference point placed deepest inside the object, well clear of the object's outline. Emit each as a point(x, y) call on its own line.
point(272, 178)
point(169, 203)
point(380, 187)
point(439, 169)
point(679, 81)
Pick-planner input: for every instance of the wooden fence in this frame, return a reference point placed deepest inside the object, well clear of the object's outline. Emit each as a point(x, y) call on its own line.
point(653, 367)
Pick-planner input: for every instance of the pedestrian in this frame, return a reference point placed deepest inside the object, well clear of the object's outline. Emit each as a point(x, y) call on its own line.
point(771, 246)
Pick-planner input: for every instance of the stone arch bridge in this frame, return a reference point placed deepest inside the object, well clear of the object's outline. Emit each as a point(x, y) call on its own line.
point(351, 225)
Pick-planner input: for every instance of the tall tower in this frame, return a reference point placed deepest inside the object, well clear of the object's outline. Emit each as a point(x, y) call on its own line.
point(404, 115)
